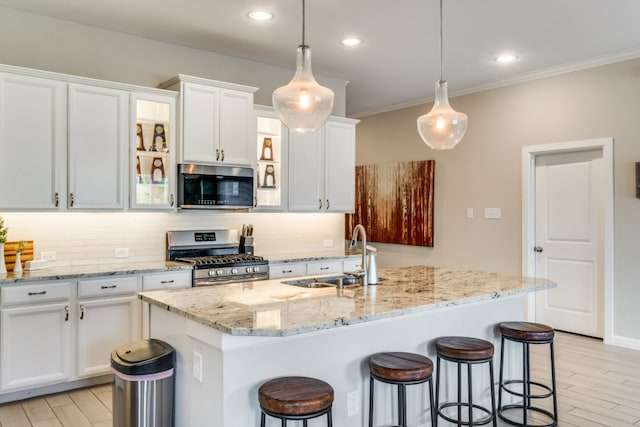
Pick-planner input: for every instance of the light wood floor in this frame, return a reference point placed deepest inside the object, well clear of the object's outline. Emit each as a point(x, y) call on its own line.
point(598, 385)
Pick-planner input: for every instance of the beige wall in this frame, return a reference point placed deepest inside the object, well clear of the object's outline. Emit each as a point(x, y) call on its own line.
point(485, 169)
point(40, 42)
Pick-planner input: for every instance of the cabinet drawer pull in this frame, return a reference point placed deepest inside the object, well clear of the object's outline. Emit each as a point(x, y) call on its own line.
point(66, 313)
point(287, 271)
point(166, 282)
point(81, 312)
point(108, 287)
point(324, 268)
point(31, 294)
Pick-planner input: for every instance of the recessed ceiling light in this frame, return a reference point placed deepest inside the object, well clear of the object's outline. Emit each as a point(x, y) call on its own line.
point(260, 15)
point(505, 59)
point(351, 41)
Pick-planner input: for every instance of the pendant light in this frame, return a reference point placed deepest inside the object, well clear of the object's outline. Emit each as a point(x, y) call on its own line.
point(303, 105)
point(443, 127)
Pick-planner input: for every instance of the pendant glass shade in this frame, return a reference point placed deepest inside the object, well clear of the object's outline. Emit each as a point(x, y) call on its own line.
point(303, 105)
point(443, 127)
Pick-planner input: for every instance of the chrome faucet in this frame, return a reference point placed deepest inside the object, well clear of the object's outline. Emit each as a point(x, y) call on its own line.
point(354, 238)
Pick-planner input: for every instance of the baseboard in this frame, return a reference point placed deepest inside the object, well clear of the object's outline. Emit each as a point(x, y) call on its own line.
point(625, 342)
point(54, 388)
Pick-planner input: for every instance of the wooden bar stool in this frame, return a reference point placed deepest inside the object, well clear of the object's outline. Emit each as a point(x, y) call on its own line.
point(465, 351)
point(295, 398)
point(401, 369)
point(527, 333)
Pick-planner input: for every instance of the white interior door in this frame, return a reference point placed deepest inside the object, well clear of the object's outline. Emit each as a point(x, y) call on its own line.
point(569, 234)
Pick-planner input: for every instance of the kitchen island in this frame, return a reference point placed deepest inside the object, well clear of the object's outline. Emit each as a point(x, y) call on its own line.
point(247, 333)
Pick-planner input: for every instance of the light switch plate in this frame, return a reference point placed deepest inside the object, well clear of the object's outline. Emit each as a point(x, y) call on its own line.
point(492, 213)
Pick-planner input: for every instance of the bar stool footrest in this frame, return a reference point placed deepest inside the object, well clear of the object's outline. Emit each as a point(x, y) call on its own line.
point(480, 422)
point(549, 391)
point(520, 408)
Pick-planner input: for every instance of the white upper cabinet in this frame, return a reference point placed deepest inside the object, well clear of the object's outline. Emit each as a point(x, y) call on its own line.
point(216, 121)
point(98, 142)
point(322, 168)
point(152, 170)
point(306, 171)
point(339, 166)
point(200, 123)
point(32, 142)
point(271, 169)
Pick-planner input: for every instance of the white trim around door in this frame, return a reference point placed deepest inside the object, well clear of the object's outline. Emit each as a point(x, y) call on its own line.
point(529, 154)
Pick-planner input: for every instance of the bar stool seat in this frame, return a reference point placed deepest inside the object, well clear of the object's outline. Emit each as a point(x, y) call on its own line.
point(465, 351)
point(527, 333)
point(401, 369)
point(295, 398)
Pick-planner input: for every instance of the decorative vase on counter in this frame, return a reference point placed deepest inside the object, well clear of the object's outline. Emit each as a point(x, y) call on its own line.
point(3, 267)
point(17, 267)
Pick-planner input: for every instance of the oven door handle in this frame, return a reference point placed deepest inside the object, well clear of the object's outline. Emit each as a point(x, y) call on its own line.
point(236, 279)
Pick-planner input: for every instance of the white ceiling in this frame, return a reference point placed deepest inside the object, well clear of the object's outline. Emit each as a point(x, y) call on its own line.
point(398, 63)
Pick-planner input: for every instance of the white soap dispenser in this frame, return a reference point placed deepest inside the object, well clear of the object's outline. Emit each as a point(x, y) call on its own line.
point(372, 269)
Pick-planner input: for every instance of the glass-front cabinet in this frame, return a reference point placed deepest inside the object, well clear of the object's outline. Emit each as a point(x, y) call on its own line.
point(271, 164)
point(153, 142)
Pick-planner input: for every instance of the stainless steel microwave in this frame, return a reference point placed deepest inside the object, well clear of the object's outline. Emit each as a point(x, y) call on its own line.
point(215, 187)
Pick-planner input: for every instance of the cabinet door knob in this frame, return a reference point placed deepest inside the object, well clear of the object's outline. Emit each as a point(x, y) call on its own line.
point(537, 248)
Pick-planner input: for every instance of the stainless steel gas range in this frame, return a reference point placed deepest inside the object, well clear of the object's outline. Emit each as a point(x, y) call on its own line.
point(215, 256)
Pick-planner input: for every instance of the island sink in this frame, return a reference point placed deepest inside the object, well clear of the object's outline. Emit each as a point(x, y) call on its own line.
point(324, 282)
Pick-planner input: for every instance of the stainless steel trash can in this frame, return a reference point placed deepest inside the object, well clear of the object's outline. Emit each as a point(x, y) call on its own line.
point(143, 384)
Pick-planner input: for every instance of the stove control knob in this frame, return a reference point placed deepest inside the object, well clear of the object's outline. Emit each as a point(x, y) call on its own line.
point(249, 269)
point(211, 273)
point(219, 272)
point(234, 271)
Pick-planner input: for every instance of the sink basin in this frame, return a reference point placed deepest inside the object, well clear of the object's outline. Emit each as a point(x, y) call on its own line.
point(305, 284)
point(323, 282)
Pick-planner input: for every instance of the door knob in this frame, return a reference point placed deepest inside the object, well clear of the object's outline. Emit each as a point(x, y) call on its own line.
point(537, 248)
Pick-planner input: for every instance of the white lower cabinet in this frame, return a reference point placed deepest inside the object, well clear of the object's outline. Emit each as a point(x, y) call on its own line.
point(160, 281)
point(287, 269)
point(107, 316)
point(35, 336)
point(313, 268)
point(47, 327)
point(103, 325)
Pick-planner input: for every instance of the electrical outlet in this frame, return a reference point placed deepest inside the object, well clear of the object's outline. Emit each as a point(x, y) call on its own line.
point(328, 243)
point(197, 366)
point(48, 255)
point(353, 403)
point(492, 213)
point(122, 253)
point(469, 213)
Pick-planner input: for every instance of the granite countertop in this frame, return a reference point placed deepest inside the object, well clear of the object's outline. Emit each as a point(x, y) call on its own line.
point(309, 256)
point(271, 308)
point(92, 270)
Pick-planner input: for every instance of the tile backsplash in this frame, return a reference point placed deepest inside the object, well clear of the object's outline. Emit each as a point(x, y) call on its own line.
point(92, 238)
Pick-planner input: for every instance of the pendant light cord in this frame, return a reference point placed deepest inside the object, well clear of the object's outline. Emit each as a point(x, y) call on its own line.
point(440, 39)
point(303, 14)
